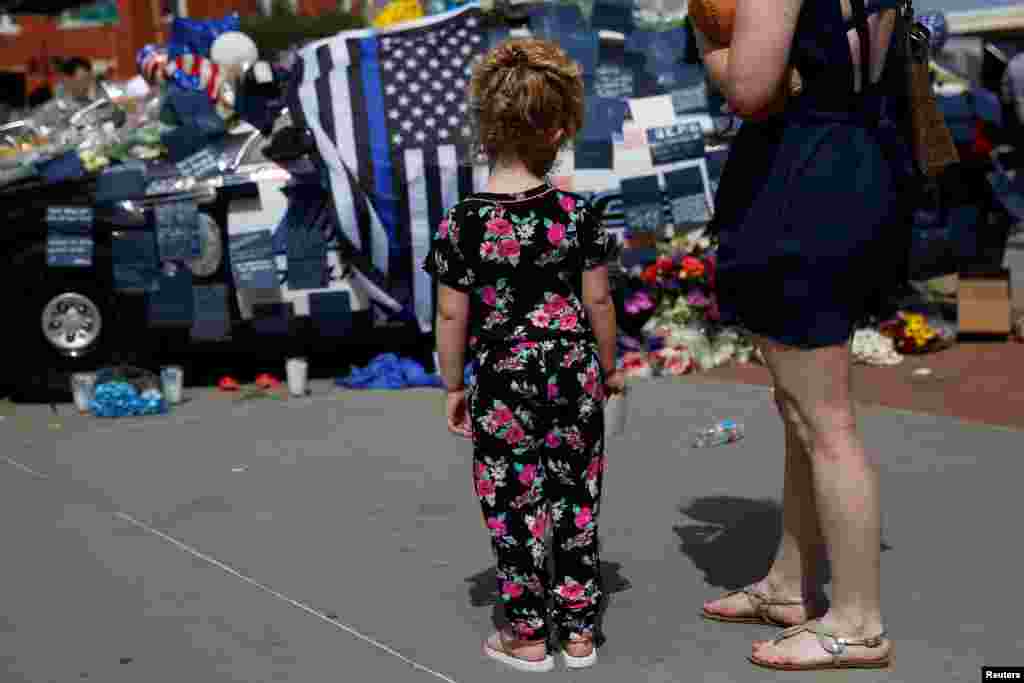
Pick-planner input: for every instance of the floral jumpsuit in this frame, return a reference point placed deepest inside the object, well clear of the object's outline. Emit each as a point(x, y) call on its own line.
point(536, 407)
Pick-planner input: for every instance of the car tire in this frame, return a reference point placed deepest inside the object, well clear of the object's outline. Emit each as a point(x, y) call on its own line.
point(66, 324)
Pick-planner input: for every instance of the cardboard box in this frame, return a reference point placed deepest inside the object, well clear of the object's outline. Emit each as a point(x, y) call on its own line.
point(984, 303)
point(642, 240)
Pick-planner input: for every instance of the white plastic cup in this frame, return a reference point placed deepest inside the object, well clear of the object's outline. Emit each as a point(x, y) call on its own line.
point(297, 370)
point(172, 381)
point(616, 410)
point(83, 388)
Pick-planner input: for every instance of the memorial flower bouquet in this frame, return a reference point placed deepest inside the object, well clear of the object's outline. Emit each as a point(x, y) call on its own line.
point(911, 333)
point(675, 295)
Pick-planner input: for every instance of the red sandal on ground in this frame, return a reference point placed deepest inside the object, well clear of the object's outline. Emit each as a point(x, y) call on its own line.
point(500, 644)
point(835, 646)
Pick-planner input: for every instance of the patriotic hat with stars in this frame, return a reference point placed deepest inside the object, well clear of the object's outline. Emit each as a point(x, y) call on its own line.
point(935, 22)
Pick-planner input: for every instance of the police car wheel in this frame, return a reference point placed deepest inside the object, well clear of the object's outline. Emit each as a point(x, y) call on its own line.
point(72, 323)
point(68, 324)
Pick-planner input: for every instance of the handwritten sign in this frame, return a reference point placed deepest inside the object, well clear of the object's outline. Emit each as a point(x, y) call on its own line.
point(135, 261)
point(690, 209)
point(199, 165)
point(69, 242)
point(689, 99)
point(177, 226)
point(70, 218)
point(251, 246)
point(256, 274)
point(68, 251)
point(685, 190)
point(678, 142)
point(614, 81)
point(644, 217)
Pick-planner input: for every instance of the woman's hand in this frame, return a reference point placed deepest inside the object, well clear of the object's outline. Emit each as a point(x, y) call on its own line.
point(458, 414)
point(615, 383)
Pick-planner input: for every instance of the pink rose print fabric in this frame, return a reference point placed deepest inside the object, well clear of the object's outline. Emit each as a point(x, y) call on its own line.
point(518, 258)
point(538, 466)
point(536, 407)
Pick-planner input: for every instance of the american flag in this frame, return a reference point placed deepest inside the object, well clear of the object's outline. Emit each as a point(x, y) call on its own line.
point(389, 113)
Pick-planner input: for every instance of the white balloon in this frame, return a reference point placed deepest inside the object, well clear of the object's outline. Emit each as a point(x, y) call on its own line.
point(234, 49)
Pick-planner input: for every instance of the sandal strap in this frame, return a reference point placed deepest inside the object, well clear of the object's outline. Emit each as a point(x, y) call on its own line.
point(762, 602)
point(830, 642)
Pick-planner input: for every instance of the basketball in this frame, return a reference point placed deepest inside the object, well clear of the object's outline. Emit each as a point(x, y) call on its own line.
point(714, 18)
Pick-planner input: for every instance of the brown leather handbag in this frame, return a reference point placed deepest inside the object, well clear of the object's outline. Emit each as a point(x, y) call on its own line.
point(931, 141)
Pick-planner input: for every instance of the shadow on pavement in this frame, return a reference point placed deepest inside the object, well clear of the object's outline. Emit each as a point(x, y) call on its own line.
point(733, 540)
point(483, 591)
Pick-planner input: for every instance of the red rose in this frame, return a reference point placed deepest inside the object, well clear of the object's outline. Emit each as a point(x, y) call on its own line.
point(650, 275)
point(693, 267)
point(508, 248)
point(556, 233)
point(568, 322)
point(499, 227)
point(664, 265)
point(515, 434)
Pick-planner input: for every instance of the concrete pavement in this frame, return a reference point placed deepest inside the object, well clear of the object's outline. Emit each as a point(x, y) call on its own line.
point(336, 538)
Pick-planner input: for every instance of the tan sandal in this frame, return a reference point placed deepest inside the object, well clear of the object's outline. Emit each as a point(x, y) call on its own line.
point(761, 602)
point(831, 643)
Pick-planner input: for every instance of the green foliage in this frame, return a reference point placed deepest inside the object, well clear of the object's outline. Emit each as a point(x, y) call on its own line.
point(284, 28)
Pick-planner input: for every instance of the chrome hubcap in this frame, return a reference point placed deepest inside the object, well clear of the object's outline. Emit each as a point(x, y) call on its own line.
point(71, 323)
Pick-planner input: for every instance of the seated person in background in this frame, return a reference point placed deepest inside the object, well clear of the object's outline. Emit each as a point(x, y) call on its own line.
point(79, 83)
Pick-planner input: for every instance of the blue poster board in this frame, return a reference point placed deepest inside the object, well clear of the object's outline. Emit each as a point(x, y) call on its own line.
point(69, 241)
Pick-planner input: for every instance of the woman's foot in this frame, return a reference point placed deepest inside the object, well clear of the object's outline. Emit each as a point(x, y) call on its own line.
point(579, 652)
point(523, 655)
point(827, 644)
point(763, 603)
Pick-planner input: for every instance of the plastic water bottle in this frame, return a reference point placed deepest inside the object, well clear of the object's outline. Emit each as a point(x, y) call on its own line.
point(726, 431)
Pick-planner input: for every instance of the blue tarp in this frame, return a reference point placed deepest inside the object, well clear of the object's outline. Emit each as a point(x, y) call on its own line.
point(388, 371)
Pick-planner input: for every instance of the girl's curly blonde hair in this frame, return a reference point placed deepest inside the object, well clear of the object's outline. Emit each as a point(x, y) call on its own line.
point(522, 93)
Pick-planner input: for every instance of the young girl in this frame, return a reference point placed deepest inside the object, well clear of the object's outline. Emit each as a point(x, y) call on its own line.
point(523, 279)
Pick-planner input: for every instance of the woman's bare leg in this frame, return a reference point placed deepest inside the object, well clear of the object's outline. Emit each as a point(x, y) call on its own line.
point(796, 570)
point(798, 562)
point(817, 382)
